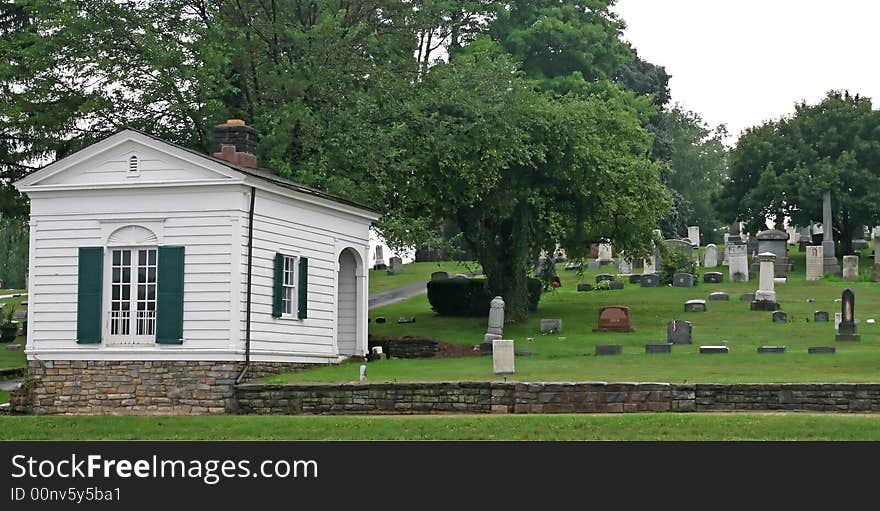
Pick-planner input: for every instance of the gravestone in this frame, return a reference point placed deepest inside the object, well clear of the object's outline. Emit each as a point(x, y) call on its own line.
point(830, 260)
point(363, 373)
point(771, 349)
point(574, 266)
point(635, 278)
point(604, 276)
point(616, 284)
point(695, 306)
point(776, 242)
point(850, 267)
point(680, 246)
point(713, 277)
point(551, 326)
point(594, 250)
point(682, 280)
point(395, 266)
point(765, 296)
point(495, 328)
point(719, 296)
point(406, 319)
point(609, 349)
point(821, 350)
point(846, 331)
point(779, 317)
point(545, 268)
point(679, 332)
point(748, 297)
point(820, 316)
point(614, 318)
point(875, 273)
point(838, 317)
point(13, 347)
point(439, 275)
point(815, 263)
point(584, 287)
point(664, 347)
point(380, 320)
point(714, 349)
point(503, 356)
point(624, 265)
point(710, 256)
point(379, 260)
point(650, 280)
point(594, 265)
point(694, 235)
point(648, 265)
point(738, 265)
point(805, 238)
point(604, 256)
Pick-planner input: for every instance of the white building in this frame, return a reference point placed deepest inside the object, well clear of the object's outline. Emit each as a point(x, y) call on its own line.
point(147, 251)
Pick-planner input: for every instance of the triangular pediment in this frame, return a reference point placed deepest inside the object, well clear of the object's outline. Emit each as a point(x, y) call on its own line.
point(128, 159)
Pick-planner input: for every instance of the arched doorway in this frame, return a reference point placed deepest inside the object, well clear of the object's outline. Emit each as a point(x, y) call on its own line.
point(347, 304)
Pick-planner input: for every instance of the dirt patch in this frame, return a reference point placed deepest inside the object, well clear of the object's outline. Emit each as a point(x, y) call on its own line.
point(449, 350)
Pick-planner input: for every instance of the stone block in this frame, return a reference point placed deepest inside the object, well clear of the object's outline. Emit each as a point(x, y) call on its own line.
point(719, 296)
point(551, 326)
point(771, 349)
point(748, 297)
point(665, 347)
point(695, 306)
point(609, 349)
point(714, 349)
point(821, 349)
point(635, 279)
point(503, 356)
point(713, 277)
point(649, 280)
point(820, 316)
point(683, 280)
point(779, 317)
point(584, 287)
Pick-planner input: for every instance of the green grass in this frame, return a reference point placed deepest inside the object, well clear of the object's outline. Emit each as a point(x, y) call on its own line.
point(12, 358)
point(661, 426)
point(4, 396)
point(416, 272)
point(570, 355)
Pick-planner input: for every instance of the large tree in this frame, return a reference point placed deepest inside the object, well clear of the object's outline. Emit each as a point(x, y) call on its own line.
point(517, 168)
point(783, 168)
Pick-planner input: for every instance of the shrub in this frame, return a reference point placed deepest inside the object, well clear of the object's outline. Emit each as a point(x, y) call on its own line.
point(676, 261)
point(470, 297)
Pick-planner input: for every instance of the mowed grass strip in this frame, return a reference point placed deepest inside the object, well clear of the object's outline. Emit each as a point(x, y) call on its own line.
point(4, 396)
point(626, 427)
point(12, 358)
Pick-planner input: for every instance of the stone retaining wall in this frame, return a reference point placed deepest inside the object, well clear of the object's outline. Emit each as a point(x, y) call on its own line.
point(106, 387)
point(405, 347)
point(561, 397)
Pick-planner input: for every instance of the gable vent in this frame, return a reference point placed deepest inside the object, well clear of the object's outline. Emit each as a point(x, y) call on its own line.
point(132, 235)
point(133, 164)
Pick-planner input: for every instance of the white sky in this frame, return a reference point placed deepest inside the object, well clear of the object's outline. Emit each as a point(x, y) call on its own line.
point(740, 62)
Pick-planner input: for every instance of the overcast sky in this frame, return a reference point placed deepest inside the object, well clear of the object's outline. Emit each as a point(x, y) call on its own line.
point(740, 62)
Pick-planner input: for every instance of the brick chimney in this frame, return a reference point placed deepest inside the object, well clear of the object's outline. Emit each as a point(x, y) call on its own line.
point(236, 143)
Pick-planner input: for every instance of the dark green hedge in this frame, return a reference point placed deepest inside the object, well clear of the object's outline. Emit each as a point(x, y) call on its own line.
point(470, 297)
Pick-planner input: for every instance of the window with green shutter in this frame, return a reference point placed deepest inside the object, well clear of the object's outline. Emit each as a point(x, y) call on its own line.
point(278, 286)
point(90, 279)
point(169, 292)
point(290, 284)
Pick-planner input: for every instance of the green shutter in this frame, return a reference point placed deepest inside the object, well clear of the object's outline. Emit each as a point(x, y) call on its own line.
point(169, 296)
point(90, 281)
point(278, 287)
point(303, 288)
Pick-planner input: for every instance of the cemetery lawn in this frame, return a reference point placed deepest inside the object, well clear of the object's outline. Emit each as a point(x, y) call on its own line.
point(4, 397)
point(12, 358)
point(569, 356)
point(626, 427)
point(417, 272)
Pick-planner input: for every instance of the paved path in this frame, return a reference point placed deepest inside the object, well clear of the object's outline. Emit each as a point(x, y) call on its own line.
point(2, 297)
point(399, 294)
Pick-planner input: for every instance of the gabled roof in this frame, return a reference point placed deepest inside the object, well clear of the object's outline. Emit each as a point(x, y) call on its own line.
point(260, 173)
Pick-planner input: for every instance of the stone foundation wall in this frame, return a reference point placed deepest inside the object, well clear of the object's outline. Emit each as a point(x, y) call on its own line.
point(580, 397)
point(105, 387)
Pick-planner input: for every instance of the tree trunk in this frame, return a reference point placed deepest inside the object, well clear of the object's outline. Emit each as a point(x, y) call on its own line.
point(503, 249)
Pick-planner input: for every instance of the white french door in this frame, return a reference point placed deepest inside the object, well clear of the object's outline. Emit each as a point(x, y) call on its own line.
point(133, 296)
